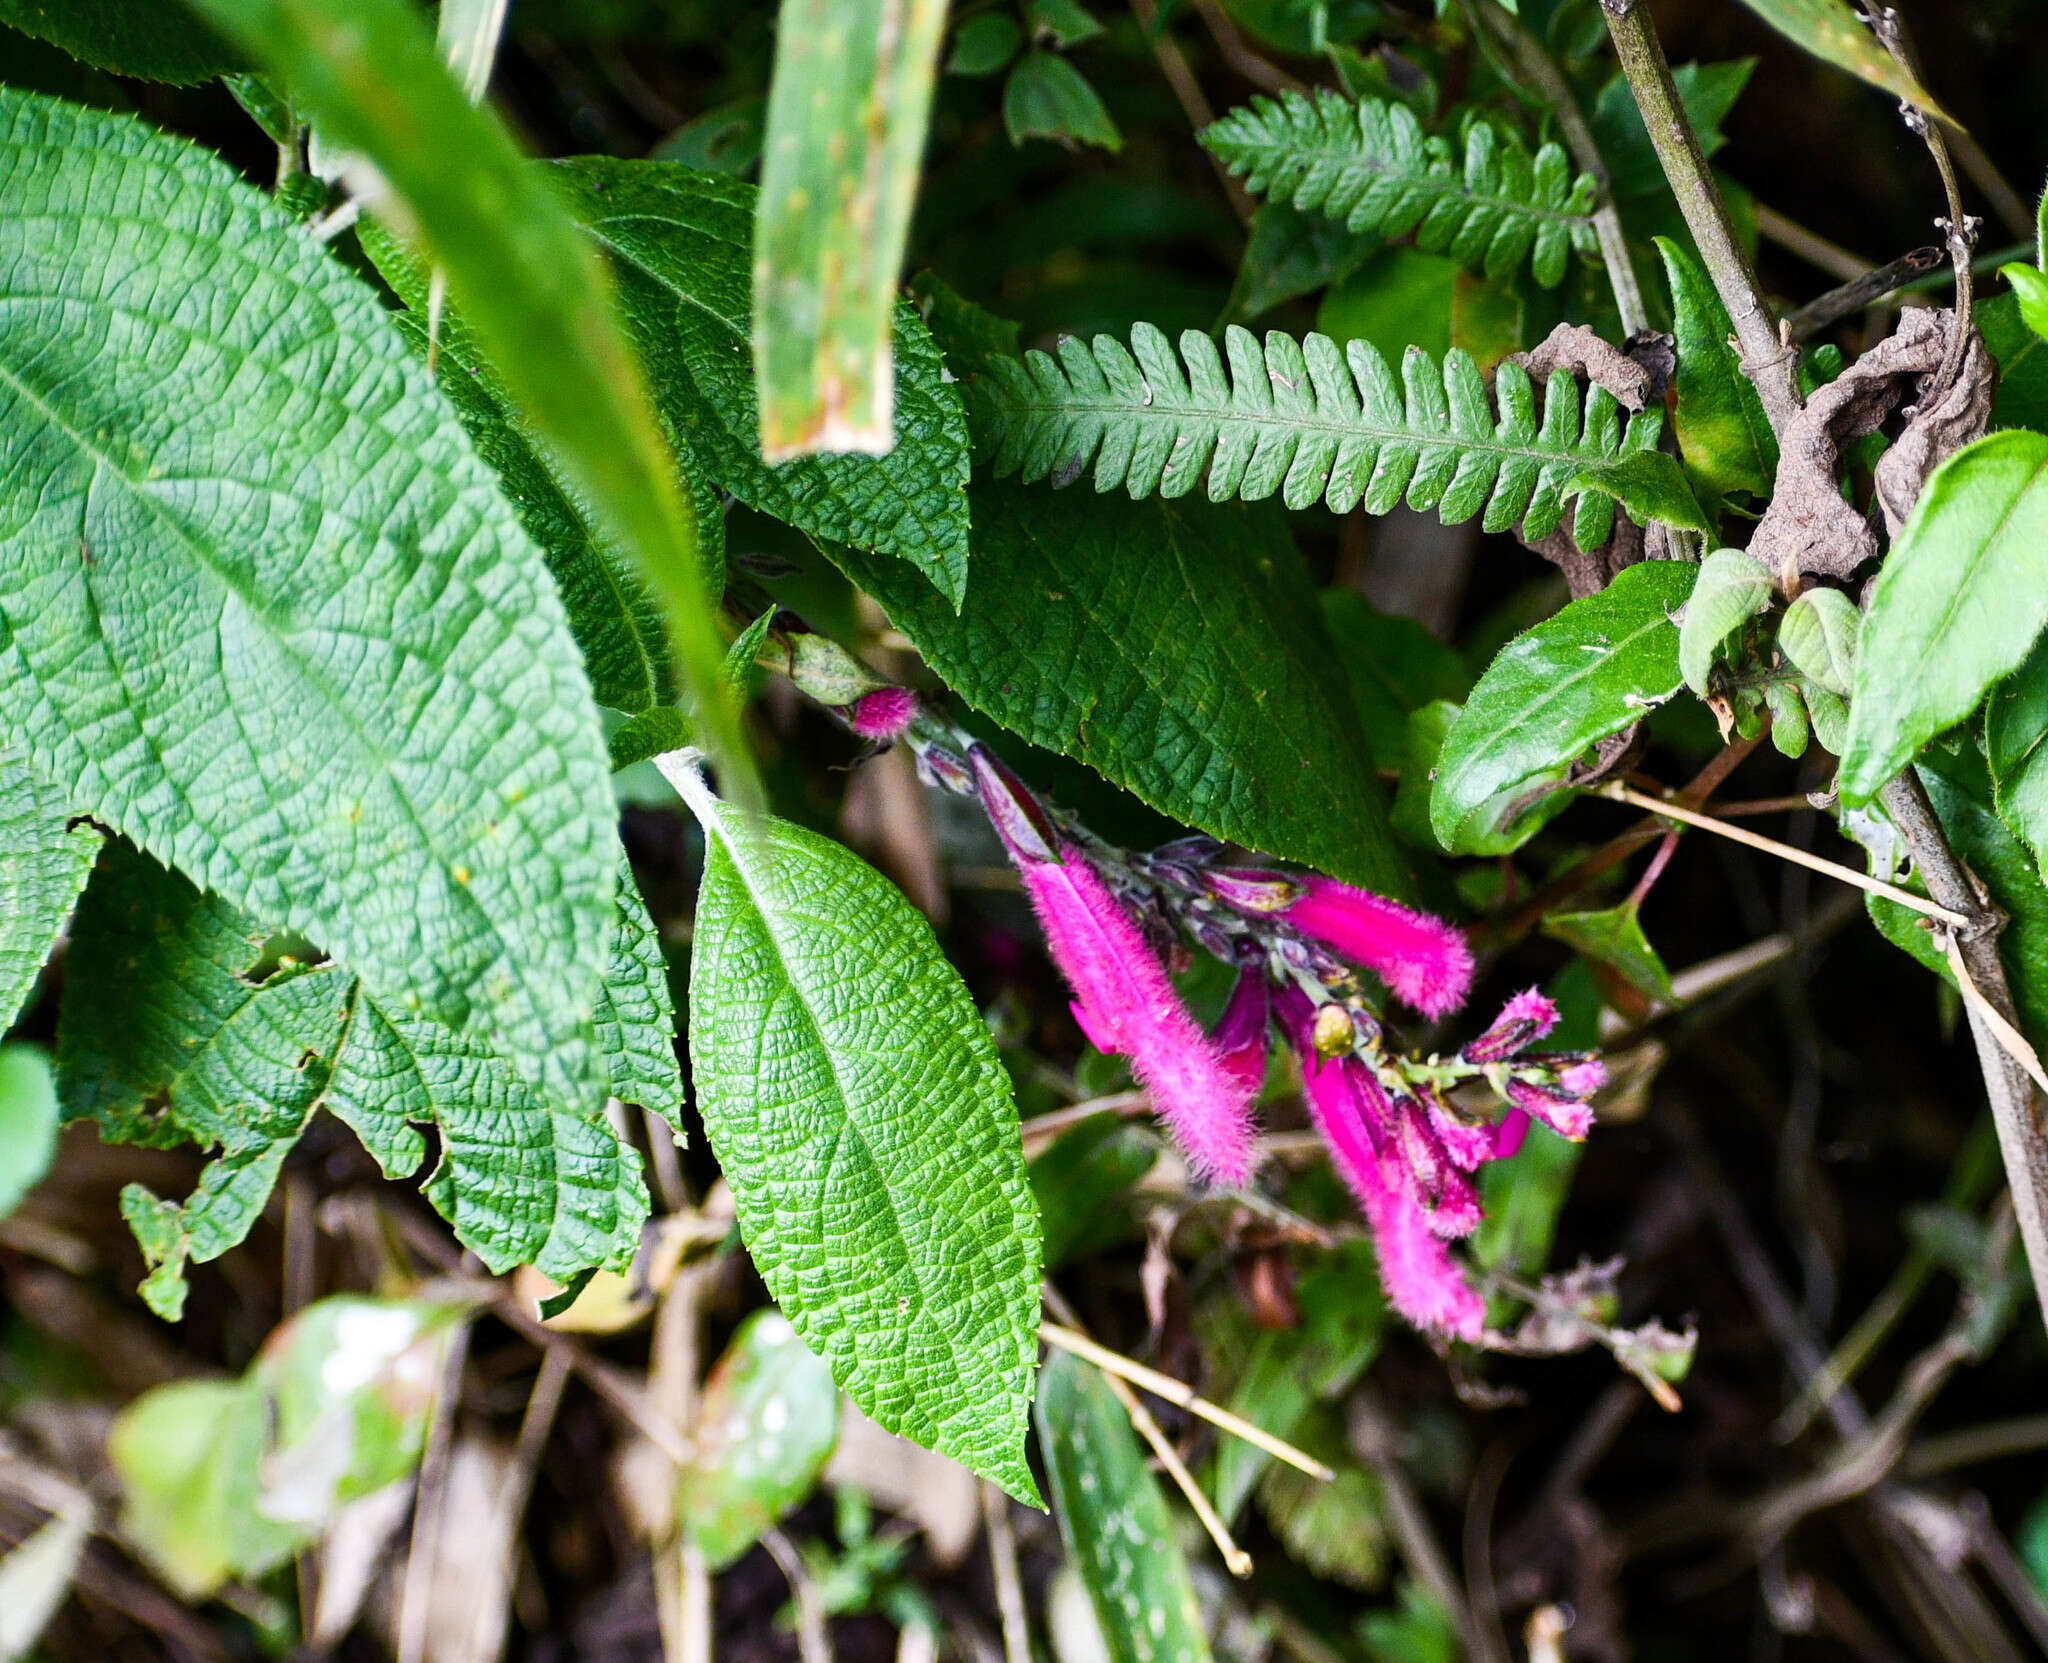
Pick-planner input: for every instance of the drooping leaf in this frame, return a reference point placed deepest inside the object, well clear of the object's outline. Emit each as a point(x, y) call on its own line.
point(1722, 430)
point(370, 74)
point(1313, 423)
point(264, 609)
point(222, 1479)
point(1830, 29)
point(1081, 1184)
point(1599, 665)
point(1614, 937)
point(860, 1113)
point(1213, 696)
point(1818, 636)
point(1395, 667)
point(44, 862)
point(219, 1037)
point(1706, 91)
point(847, 109)
point(150, 40)
point(679, 245)
point(1048, 98)
point(765, 1428)
point(1957, 604)
point(1731, 589)
point(28, 1121)
point(1369, 165)
point(1114, 1521)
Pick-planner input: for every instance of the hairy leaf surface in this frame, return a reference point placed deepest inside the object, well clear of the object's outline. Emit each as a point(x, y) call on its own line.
point(1177, 651)
point(263, 608)
point(1118, 1531)
point(1601, 664)
point(1958, 602)
point(1370, 165)
point(860, 1113)
point(1313, 422)
point(680, 246)
point(44, 863)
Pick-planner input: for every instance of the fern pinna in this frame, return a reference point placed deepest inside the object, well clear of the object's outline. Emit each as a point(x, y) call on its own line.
point(1370, 165)
point(1311, 421)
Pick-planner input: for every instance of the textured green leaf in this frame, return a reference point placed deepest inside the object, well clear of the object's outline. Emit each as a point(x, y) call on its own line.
point(1830, 29)
point(859, 1111)
point(151, 40)
point(2022, 398)
point(679, 246)
point(1114, 1521)
point(369, 72)
point(1334, 1529)
point(765, 1428)
point(1790, 729)
point(1956, 605)
point(263, 608)
point(1315, 423)
point(1601, 664)
point(180, 1022)
point(649, 734)
point(1731, 589)
point(1286, 1373)
point(1722, 430)
point(847, 109)
point(1395, 667)
point(1369, 165)
point(1082, 1183)
point(44, 863)
point(1046, 97)
point(1210, 692)
point(28, 1121)
point(1818, 636)
point(1614, 937)
point(2015, 727)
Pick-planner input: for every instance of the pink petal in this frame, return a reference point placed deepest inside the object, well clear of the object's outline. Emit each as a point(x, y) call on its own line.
point(1423, 959)
point(1240, 1032)
point(1469, 1145)
point(1508, 1135)
point(1563, 1115)
point(1582, 1079)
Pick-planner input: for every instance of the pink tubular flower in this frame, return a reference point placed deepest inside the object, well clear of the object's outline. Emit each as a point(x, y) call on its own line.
point(1240, 1032)
point(1568, 1117)
point(1422, 958)
point(884, 714)
point(1123, 999)
point(1523, 1020)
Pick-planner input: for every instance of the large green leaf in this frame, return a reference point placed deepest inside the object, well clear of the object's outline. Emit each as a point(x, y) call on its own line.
point(182, 1022)
point(847, 109)
point(151, 40)
point(1722, 430)
point(1395, 667)
point(1599, 665)
point(370, 74)
point(1369, 165)
point(1210, 690)
point(1831, 29)
point(44, 863)
point(1115, 1522)
point(265, 612)
point(862, 1117)
point(1310, 422)
point(1957, 604)
point(679, 246)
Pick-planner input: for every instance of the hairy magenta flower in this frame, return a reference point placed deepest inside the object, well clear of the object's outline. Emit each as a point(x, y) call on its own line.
point(1422, 958)
point(1523, 1020)
point(884, 714)
point(1122, 997)
point(1240, 1032)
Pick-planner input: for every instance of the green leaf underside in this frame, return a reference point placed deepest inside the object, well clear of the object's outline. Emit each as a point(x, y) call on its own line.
point(1116, 1525)
point(263, 607)
point(1176, 651)
point(1554, 691)
point(1819, 635)
point(1311, 421)
point(859, 1111)
point(1958, 603)
point(44, 863)
point(1722, 430)
point(151, 40)
point(847, 112)
point(1370, 165)
point(214, 1042)
point(1731, 588)
point(680, 247)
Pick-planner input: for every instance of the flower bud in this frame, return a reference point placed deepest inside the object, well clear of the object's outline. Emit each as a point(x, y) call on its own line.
point(1252, 891)
point(1019, 818)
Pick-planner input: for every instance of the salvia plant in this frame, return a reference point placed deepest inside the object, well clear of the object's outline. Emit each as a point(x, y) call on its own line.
point(365, 538)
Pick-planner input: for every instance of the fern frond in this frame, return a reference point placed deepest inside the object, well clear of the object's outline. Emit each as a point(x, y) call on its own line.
point(1370, 165)
point(1315, 423)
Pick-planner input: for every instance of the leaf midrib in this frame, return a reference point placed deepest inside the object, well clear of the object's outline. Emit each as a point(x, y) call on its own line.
point(1448, 185)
